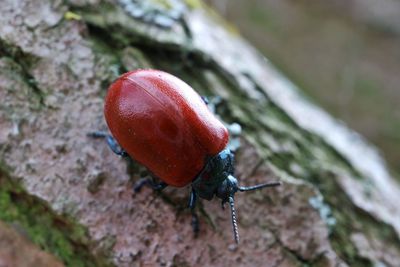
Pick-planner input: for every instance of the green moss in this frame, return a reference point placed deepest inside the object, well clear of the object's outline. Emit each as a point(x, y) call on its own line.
point(193, 4)
point(56, 234)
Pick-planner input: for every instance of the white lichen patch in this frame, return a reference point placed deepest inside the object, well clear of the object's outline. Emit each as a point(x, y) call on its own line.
point(163, 13)
point(317, 202)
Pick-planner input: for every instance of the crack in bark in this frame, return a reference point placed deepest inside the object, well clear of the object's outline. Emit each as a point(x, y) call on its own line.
point(24, 61)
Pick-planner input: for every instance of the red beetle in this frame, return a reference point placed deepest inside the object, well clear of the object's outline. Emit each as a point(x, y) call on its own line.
point(162, 123)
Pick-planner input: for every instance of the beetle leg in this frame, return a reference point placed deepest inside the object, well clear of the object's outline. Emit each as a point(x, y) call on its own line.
point(159, 186)
point(192, 200)
point(223, 204)
point(112, 143)
point(195, 218)
point(205, 99)
point(149, 182)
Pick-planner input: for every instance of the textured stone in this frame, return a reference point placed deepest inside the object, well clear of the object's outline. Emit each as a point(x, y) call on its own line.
point(53, 80)
point(17, 251)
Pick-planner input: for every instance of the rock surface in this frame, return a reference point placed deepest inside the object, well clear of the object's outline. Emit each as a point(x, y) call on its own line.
point(333, 208)
point(15, 250)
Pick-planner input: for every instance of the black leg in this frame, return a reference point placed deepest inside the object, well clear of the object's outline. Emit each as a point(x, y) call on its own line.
point(195, 218)
point(112, 143)
point(205, 99)
point(223, 204)
point(149, 182)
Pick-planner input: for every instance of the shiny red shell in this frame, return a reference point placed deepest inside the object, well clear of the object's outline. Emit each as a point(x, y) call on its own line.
point(162, 123)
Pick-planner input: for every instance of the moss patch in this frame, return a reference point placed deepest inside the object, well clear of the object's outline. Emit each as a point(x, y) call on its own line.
point(58, 235)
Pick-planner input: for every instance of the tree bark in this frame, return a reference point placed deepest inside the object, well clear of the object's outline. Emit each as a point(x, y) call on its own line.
point(73, 197)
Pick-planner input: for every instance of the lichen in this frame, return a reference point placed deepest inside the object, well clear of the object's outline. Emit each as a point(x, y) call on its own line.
point(163, 13)
point(324, 210)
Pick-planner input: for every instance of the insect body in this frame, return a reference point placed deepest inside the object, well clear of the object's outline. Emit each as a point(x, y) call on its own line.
point(161, 122)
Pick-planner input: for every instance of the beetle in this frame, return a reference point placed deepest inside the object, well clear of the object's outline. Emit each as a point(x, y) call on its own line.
point(161, 122)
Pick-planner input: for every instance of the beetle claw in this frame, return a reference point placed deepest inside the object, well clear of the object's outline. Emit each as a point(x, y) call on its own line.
point(195, 224)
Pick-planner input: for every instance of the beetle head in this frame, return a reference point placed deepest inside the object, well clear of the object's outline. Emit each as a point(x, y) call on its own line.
point(226, 192)
point(217, 179)
point(227, 188)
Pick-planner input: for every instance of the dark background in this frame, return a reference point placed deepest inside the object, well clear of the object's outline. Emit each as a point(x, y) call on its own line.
point(344, 54)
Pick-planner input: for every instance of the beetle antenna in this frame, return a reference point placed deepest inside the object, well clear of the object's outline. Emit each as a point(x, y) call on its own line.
point(259, 186)
point(234, 223)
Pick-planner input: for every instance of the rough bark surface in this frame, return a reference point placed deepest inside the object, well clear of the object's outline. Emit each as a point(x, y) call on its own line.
point(15, 250)
point(72, 196)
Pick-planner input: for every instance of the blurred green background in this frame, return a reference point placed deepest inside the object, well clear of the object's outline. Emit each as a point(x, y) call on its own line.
point(344, 54)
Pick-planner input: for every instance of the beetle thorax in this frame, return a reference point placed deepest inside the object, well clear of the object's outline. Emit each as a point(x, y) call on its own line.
point(216, 178)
